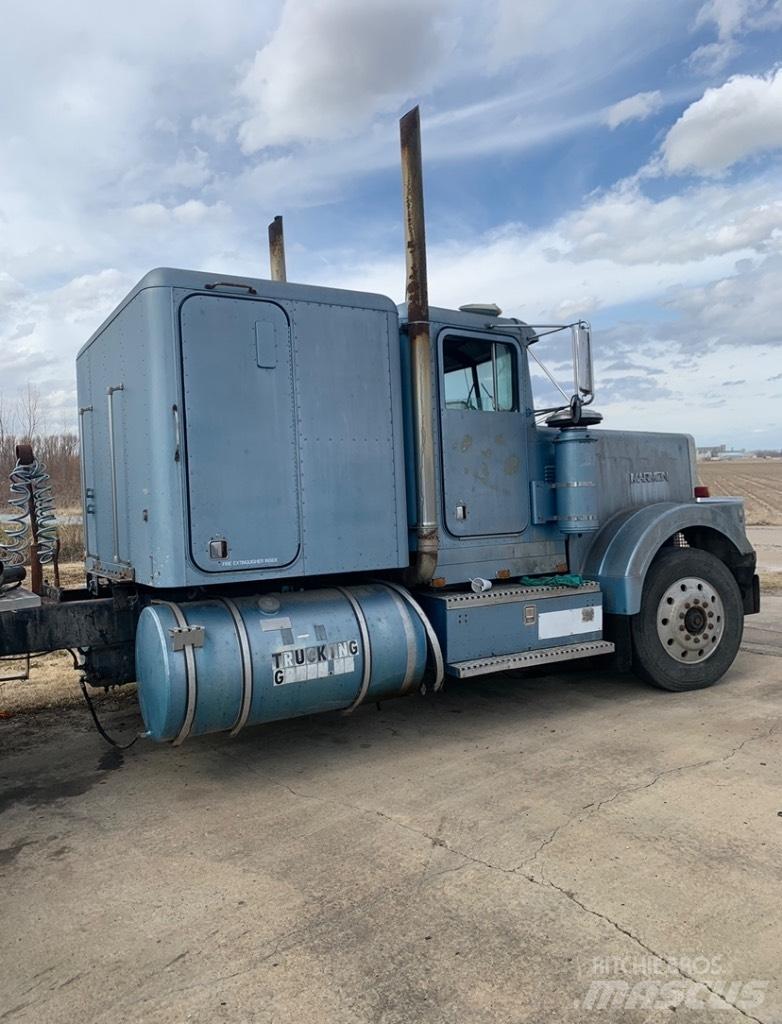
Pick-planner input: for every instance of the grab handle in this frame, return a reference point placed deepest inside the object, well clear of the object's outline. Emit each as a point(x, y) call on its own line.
point(114, 510)
point(230, 284)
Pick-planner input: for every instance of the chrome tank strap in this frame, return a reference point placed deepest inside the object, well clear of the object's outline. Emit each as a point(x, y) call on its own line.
point(190, 674)
point(434, 643)
point(247, 664)
point(407, 625)
point(363, 629)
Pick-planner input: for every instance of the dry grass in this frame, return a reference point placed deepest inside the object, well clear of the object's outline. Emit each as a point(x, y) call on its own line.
point(71, 574)
point(52, 683)
point(771, 582)
point(757, 481)
point(71, 542)
point(71, 538)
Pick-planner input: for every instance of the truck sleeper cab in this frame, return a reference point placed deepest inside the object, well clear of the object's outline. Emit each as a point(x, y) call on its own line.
point(249, 474)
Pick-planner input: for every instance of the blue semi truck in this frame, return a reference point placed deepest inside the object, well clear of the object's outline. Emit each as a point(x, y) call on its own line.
point(297, 499)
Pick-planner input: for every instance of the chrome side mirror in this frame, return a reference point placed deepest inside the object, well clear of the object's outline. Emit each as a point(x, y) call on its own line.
point(583, 379)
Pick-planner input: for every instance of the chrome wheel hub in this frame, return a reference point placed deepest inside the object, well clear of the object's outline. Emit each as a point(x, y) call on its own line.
point(690, 620)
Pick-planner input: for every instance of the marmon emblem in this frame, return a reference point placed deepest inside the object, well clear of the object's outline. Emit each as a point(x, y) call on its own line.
point(649, 476)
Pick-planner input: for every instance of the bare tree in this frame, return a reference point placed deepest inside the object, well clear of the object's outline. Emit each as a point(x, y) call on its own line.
point(30, 413)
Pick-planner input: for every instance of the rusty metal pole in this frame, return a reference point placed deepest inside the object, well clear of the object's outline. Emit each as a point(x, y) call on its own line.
point(425, 557)
point(277, 250)
point(25, 455)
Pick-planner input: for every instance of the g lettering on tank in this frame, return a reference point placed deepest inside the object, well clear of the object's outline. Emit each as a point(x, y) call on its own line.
point(292, 664)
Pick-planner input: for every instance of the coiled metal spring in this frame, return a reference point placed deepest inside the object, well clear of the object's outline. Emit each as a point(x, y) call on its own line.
point(17, 531)
point(45, 516)
point(30, 479)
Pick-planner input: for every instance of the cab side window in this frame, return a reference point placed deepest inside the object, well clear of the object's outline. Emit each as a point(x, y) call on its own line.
point(479, 375)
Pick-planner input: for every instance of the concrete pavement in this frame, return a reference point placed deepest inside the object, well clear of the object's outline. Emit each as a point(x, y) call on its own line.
point(767, 541)
point(492, 855)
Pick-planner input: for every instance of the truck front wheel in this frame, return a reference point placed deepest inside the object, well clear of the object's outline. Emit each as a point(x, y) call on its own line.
point(689, 628)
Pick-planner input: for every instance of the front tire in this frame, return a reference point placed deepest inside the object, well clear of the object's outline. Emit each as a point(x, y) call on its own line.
point(691, 621)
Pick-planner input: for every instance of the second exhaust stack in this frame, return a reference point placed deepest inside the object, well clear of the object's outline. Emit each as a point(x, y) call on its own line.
point(277, 250)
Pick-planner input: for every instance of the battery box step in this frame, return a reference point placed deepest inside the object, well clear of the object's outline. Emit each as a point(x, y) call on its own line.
point(516, 625)
point(528, 659)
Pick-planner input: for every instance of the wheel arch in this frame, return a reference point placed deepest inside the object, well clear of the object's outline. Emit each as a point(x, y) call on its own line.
point(623, 550)
point(741, 563)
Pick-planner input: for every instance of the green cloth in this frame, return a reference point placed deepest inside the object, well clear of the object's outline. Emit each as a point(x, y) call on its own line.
point(570, 579)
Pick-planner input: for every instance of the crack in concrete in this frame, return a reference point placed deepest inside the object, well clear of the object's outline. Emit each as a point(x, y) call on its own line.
point(548, 883)
point(542, 881)
point(593, 809)
point(639, 941)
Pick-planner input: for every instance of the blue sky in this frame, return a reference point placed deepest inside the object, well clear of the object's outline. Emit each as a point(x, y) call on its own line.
point(618, 161)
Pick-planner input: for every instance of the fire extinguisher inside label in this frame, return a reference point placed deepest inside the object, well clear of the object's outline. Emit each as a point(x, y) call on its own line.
point(301, 664)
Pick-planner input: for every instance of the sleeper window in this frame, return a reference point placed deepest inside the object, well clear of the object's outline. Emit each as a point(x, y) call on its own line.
point(479, 375)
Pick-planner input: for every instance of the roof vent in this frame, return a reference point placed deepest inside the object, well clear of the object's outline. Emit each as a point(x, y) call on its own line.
point(481, 308)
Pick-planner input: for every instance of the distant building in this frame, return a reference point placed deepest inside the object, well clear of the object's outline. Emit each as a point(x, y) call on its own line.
point(730, 453)
point(720, 452)
point(710, 451)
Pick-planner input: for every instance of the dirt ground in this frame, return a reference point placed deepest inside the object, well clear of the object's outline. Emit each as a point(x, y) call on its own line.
point(757, 481)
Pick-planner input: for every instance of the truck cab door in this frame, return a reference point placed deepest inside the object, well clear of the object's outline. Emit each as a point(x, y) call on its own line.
point(483, 427)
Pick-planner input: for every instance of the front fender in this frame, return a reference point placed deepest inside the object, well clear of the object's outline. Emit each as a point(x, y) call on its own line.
point(623, 550)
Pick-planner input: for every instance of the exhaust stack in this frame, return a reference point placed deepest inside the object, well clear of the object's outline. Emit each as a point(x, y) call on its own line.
point(417, 295)
point(277, 250)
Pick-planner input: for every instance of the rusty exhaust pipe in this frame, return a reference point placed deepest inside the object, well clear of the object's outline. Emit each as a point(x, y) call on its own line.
point(424, 562)
point(277, 250)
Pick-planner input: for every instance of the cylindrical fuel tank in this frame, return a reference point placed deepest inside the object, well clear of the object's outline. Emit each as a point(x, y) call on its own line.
point(575, 458)
point(220, 663)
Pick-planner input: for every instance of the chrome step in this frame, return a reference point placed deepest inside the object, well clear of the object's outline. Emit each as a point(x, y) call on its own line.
point(528, 659)
point(510, 592)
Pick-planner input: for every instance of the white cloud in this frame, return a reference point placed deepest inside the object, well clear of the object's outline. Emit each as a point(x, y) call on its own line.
point(590, 34)
point(332, 64)
point(84, 295)
point(217, 127)
point(739, 119)
point(21, 331)
point(194, 211)
point(41, 332)
point(630, 228)
point(710, 261)
point(10, 288)
point(620, 248)
point(738, 310)
point(634, 108)
point(150, 215)
point(732, 19)
point(121, 150)
point(702, 352)
point(189, 170)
